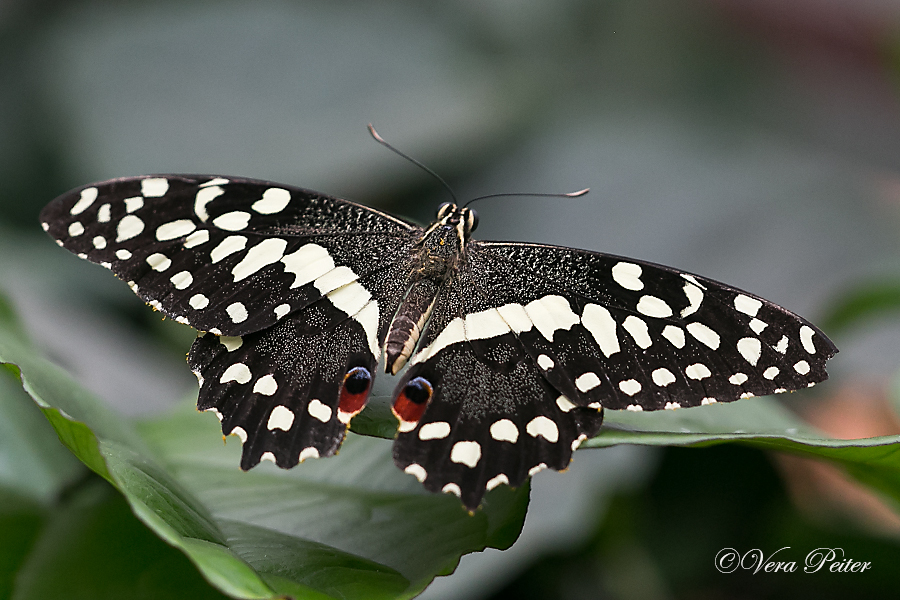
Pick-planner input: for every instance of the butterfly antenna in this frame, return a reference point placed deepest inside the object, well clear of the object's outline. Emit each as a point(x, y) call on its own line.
point(566, 195)
point(381, 141)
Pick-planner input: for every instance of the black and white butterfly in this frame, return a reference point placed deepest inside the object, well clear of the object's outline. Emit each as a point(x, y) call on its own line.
point(513, 349)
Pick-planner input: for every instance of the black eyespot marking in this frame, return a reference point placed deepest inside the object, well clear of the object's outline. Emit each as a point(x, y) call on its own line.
point(418, 390)
point(357, 380)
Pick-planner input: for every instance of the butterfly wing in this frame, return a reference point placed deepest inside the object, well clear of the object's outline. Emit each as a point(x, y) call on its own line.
point(226, 255)
point(532, 342)
point(295, 283)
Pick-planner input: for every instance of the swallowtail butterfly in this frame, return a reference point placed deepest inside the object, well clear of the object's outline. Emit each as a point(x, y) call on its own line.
point(513, 349)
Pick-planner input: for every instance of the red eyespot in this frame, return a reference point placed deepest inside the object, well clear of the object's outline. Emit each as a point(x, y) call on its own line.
point(410, 404)
point(354, 393)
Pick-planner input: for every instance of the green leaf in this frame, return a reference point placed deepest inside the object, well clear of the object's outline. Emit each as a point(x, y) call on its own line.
point(352, 526)
point(92, 547)
point(33, 464)
point(762, 423)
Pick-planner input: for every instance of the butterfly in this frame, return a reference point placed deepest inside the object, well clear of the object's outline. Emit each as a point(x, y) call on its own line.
point(511, 350)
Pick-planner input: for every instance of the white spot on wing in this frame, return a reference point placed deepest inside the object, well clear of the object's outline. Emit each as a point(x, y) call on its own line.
point(564, 404)
point(104, 213)
point(434, 431)
point(265, 253)
point(281, 418)
point(757, 326)
point(134, 204)
point(267, 386)
point(675, 335)
point(737, 379)
point(76, 229)
point(750, 349)
point(638, 330)
point(495, 481)
point(697, 371)
point(417, 471)
point(452, 488)
point(544, 427)
point(654, 307)
point(175, 229)
point(129, 227)
point(597, 320)
point(182, 280)
point(747, 305)
point(771, 373)
point(99, 242)
point(123, 254)
point(587, 381)
point(237, 311)
point(802, 367)
point(550, 314)
point(536, 469)
point(198, 238)
point(281, 310)
point(204, 197)
point(782, 345)
point(267, 456)
point(695, 299)
point(227, 247)
point(663, 377)
point(505, 430)
point(628, 276)
point(545, 362)
point(308, 263)
point(198, 301)
point(154, 187)
point(319, 410)
point(159, 262)
point(635, 408)
point(704, 334)
point(240, 433)
point(232, 221)
point(630, 386)
point(238, 372)
point(466, 453)
point(88, 195)
point(309, 452)
point(806, 338)
point(273, 200)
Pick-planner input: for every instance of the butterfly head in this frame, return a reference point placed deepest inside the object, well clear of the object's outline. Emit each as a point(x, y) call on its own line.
point(452, 217)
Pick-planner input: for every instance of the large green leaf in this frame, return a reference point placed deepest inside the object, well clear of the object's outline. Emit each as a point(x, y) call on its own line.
point(762, 423)
point(348, 527)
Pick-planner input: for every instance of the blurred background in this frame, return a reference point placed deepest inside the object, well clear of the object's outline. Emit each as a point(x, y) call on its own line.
point(756, 142)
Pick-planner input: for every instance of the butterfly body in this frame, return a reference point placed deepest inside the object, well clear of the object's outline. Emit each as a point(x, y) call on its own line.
point(511, 350)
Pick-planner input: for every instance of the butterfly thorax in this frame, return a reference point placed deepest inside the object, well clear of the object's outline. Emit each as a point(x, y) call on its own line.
point(435, 260)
